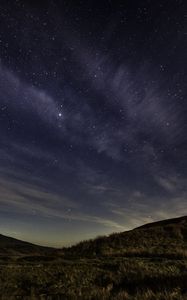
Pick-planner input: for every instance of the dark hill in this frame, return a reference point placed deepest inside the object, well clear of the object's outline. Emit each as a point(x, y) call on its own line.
point(175, 222)
point(166, 238)
point(148, 262)
point(10, 246)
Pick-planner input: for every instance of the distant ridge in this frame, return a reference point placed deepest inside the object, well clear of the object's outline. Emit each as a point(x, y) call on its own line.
point(11, 246)
point(161, 238)
point(177, 221)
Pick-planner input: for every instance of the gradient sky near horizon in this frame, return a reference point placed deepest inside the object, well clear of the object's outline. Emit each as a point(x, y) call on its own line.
point(92, 117)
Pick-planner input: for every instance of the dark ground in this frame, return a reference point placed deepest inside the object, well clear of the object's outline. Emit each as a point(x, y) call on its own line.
point(149, 262)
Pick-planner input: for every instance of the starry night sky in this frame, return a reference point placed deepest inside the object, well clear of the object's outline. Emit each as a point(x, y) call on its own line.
point(92, 117)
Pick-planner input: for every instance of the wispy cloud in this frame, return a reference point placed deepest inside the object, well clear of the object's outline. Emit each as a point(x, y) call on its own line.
point(21, 197)
point(27, 99)
point(171, 183)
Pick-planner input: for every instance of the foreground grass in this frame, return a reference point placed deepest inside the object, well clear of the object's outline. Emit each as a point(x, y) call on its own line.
point(105, 278)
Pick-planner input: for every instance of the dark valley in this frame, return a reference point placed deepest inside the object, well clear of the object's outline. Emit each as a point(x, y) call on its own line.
point(148, 262)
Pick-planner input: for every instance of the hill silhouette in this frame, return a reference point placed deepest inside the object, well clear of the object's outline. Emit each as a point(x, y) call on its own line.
point(162, 238)
point(166, 237)
point(146, 263)
point(13, 247)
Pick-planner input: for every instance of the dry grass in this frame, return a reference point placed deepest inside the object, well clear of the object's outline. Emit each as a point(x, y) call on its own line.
point(148, 263)
point(105, 278)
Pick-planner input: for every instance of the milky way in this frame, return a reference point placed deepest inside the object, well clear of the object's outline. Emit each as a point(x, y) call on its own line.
point(92, 117)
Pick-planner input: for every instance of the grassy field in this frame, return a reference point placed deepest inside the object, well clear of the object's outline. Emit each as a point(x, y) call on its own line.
point(104, 278)
point(146, 263)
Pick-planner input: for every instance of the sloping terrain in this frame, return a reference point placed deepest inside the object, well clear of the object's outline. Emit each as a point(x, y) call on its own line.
point(166, 238)
point(146, 263)
point(10, 247)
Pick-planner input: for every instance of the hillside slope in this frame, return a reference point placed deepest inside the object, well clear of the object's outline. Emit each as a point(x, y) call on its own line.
point(146, 263)
point(10, 246)
point(163, 238)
